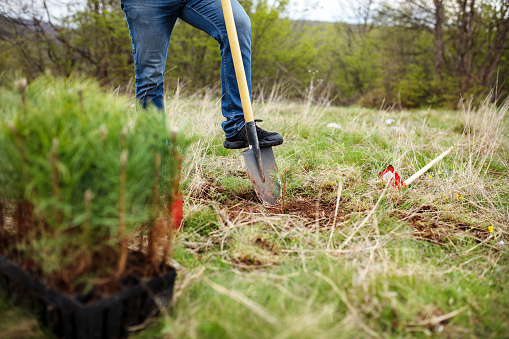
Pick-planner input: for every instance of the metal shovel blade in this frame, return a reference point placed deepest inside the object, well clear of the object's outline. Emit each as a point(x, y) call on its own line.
point(268, 190)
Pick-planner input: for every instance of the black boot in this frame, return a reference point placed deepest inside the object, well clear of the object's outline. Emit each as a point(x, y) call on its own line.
point(265, 139)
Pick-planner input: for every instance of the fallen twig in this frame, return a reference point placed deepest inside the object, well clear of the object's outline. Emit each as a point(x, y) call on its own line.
point(340, 189)
point(437, 320)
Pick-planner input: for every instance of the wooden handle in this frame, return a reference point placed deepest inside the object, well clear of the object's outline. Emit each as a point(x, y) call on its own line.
point(427, 167)
point(237, 60)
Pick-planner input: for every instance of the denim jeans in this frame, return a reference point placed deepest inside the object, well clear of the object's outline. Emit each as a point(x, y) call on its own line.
point(150, 25)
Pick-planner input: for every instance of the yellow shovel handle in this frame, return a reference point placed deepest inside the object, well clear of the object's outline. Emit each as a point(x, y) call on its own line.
point(237, 60)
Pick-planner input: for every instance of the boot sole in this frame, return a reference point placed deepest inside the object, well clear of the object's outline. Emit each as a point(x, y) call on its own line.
point(244, 144)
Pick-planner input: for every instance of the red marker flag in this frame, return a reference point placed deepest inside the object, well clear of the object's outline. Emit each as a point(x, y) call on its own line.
point(389, 174)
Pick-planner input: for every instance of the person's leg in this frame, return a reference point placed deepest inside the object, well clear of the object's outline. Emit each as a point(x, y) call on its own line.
point(207, 15)
point(150, 24)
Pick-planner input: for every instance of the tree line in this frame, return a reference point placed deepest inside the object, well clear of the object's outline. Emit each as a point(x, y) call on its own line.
point(404, 53)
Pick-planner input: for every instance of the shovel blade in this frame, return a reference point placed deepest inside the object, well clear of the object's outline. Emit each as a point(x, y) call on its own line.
point(268, 190)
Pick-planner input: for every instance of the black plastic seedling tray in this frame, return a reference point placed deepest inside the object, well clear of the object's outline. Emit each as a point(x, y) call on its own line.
point(107, 317)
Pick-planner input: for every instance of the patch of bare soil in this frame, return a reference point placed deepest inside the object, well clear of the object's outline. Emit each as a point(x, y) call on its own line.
point(247, 197)
point(247, 202)
point(431, 224)
point(208, 191)
point(321, 211)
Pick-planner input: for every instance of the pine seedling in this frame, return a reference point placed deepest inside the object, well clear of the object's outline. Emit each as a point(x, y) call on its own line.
point(78, 197)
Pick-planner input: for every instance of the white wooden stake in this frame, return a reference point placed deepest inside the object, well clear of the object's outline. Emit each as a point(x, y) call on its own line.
point(427, 167)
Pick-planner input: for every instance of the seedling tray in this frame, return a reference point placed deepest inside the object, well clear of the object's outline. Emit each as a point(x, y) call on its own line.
point(107, 317)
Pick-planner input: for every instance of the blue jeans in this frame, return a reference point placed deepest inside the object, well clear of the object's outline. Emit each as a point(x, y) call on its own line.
point(150, 25)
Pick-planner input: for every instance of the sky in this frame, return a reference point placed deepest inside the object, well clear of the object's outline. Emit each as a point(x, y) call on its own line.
point(315, 10)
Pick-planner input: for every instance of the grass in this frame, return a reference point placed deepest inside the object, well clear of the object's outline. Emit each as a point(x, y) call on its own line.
point(428, 260)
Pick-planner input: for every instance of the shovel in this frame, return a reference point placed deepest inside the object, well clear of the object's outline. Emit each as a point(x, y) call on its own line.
point(260, 162)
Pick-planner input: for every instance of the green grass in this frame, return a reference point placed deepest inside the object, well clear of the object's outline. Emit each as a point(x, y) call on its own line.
point(331, 297)
point(416, 262)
